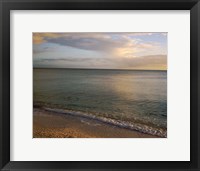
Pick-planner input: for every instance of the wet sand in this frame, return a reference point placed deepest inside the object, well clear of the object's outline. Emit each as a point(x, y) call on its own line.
point(48, 124)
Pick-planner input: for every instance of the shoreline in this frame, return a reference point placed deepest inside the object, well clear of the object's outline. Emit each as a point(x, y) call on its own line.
point(51, 124)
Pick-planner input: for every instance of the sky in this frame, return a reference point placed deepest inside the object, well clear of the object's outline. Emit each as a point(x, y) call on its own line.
point(101, 50)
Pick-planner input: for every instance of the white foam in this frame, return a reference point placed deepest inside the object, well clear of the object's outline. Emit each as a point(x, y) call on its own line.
point(124, 124)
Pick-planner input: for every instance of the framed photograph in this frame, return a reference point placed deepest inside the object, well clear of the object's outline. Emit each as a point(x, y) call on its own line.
point(114, 82)
point(99, 85)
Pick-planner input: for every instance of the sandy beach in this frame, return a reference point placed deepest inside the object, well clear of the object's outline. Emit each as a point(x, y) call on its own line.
point(48, 124)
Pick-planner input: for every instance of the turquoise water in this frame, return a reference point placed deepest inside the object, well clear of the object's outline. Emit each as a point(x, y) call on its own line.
point(136, 99)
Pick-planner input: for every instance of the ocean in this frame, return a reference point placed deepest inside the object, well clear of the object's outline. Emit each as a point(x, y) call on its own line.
point(131, 99)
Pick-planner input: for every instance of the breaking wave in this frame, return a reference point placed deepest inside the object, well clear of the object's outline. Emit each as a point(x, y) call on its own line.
point(123, 124)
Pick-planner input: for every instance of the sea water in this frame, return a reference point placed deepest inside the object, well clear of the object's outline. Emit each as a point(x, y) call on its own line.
point(128, 98)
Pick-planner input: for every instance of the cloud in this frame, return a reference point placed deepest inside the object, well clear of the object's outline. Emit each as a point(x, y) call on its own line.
point(66, 59)
point(39, 38)
point(118, 44)
point(145, 62)
point(142, 62)
point(101, 50)
point(42, 49)
point(164, 34)
point(91, 41)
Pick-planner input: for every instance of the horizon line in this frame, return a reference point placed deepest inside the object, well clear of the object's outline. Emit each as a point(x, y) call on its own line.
point(103, 69)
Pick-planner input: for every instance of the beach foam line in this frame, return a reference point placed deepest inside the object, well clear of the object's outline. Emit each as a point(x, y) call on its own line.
point(123, 124)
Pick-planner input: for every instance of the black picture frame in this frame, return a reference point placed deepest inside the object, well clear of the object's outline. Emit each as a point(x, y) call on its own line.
point(7, 5)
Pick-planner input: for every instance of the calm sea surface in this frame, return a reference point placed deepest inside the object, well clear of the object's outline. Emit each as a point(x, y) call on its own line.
point(135, 99)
